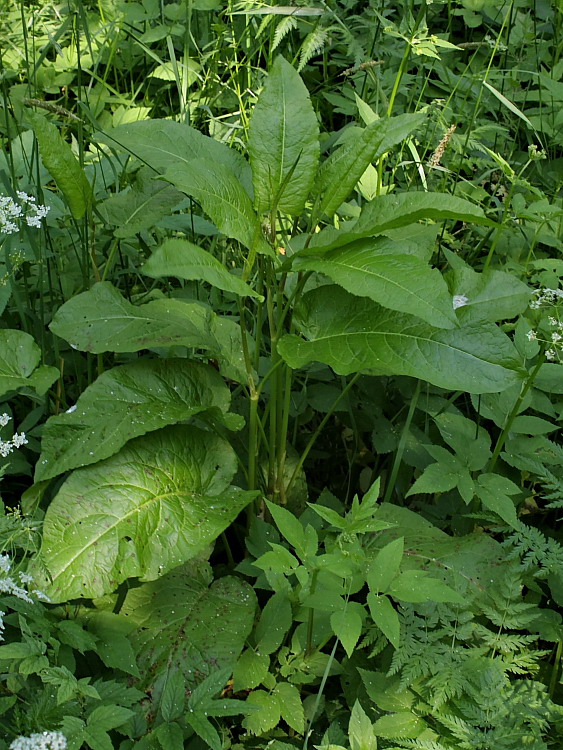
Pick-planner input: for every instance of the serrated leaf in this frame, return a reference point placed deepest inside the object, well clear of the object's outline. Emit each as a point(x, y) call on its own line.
point(204, 729)
point(417, 586)
point(291, 706)
point(223, 199)
point(360, 730)
point(403, 724)
point(63, 166)
point(183, 259)
point(250, 670)
point(494, 492)
point(346, 624)
point(436, 478)
point(283, 142)
point(108, 717)
point(289, 527)
point(352, 335)
point(274, 623)
point(141, 396)
point(157, 503)
point(385, 617)
point(268, 715)
point(340, 173)
point(113, 645)
point(385, 566)
point(173, 696)
point(399, 282)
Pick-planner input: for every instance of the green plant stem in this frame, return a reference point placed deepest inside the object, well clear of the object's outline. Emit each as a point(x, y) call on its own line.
point(315, 435)
point(555, 669)
point(514, 413)
point(402, 442)
point(311, 618)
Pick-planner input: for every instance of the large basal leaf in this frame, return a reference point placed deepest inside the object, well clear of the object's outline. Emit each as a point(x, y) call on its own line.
point(63, 166)
point(183, 259)
point(341, 172)
point(140, 397)
point(149, 508)
point(399, 282)
point(491, 295)
point(283, 142)
point(223, 199)
point(162, 144)
point(392, 211)
point(352, 335)
point(186, 625)
point(141, 207)
point(101, 320)
point(19, 360)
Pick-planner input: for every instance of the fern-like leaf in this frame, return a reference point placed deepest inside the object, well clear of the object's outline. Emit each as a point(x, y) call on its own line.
point(313, 44)
point(283, 28)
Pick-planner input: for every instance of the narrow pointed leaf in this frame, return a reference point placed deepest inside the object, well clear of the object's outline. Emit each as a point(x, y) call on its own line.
point(352, 335)
point(398, 210)
point(223, 199)
point(283, 142)
point(141, 396)
point(341, 172)
point(149, 508)
point(62, 164)
point(399, 282)
point(183, 259)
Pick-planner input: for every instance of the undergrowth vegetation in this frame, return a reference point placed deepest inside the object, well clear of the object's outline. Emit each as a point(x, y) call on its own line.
point(281, 375)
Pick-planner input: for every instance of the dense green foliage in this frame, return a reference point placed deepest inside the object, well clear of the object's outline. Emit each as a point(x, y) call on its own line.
point(281, 375)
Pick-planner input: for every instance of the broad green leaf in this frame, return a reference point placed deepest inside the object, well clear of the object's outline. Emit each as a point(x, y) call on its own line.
point(403, 724)
point(109, 717)
point(101, 320)
point(386, 691)
point(140, 207)
point(346, 624)
point(204, 729)
point(494, 492)
point(250, 670)
point(385, 566)
point(341, 172)
point(274, 623)
point(268, 715)
point(289, 527)
point(63, 166)
point(96, 738)
point(223, 199)
point(157, 503)
point(439, 477)
point(170, 736)
point(491, 295)
point(291, 706)
point(283, 142)
point(360, 730)
point(417, 586)
point(185, 625)
point(113, 645)
point(173, 696)
point(19, 360)
point(352, 335)
point(392, 211)
point(183, 259)
point(399, 282)
point(163, 143)
point(140, 397)
point(385, 617)
point(471, 442)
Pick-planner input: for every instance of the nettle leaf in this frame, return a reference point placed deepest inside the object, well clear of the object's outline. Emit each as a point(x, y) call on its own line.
point(392, 211)
point(283, 142)
point(494, 491)
point(19, 360)
point(275, 621)
point(346, 624)
point(291, 707)
point(491, 295)
point(223, 199)
point(101, 320)
point(183, 259)
point(184, 624)
point(417, 586)
point(360, 730)
point(62, 164)
point(268, 714)
point(157, 503)
point(140, 397)
point(250, 670)
point(163, 143)
point(385, 617)
point(341, 172)
point(140, 207)
point(385, 566)
point(399, 281)
point(471, 442)
point(352, 335)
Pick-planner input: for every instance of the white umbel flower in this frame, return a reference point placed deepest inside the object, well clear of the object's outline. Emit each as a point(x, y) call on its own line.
point(40, 741)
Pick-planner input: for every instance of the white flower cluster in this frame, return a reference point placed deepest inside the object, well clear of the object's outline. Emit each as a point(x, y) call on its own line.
point(40, 741)
point(9, 585)
point(546, 297)
point(27, 209)
point(18, 439)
